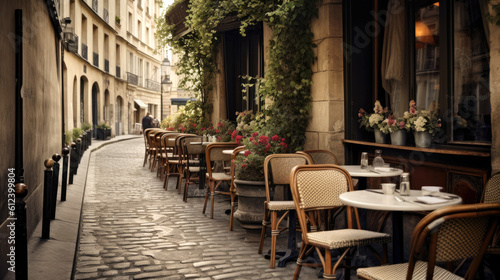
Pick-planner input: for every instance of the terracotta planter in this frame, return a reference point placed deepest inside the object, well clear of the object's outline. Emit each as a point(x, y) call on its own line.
point(423, 139)
point(380, 137)
point(251, 198)
point(398, 137)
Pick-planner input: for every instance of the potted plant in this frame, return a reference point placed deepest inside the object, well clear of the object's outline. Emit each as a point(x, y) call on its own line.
point(397, 128)
point(424, 124)
point(103, 131)
point(249, 176)
point(372, 122)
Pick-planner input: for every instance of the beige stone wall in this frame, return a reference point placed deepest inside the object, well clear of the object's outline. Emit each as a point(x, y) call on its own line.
point(495, 96)
point(326, 127)
point(42, 106)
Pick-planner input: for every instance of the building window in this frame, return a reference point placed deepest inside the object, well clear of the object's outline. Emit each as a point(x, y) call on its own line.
point(130, 23)
point(139, 30)
point(434, 52)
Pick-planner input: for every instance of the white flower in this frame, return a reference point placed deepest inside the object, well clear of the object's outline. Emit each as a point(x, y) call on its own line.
point(420, 124)
point(406, 115)
point(375, 119)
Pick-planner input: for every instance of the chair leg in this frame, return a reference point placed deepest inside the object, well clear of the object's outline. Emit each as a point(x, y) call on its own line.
point(302, 251)
point(231, 217)
point(212, 197)
point(145, 159)
point(206, 199)
point(186, 185)
point(263, 231)
point(274, 236)
point(327, 268)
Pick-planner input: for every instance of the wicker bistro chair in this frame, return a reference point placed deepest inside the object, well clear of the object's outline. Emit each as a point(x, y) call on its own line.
point(171, 158)
point(181, 163)
point(451, 233)
point(214, 178)
point(192, 163)
point(491, 194)
point(317, 188)
point(277, 169)
point(155, 143)
point(232, 187)
point(150, 149)
point(321, 156)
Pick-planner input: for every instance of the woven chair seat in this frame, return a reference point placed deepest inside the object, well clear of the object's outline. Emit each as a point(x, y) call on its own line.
point(344, 238)
point(220, 176)
point(280, 205)
point(173, 161)
point(194, 169)
point(398, 271)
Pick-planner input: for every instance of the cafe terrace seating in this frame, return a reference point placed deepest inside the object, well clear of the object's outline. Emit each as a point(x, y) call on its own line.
point(448, 234)
point(277, 168)
point(316, 188)
point(149, 149)
point(232, 187)
point(214, 178)
point(191, 162)
point(321, 156)
point(171, 159)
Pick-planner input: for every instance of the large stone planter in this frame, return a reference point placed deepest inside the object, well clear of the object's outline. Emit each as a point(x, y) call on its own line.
point(251, 198)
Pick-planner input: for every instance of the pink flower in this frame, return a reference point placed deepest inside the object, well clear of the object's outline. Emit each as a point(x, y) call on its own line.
point(413, 110)
point(401, 125)
point(360, 115)
point(218, 138)
point(276, 138)
point(412, 103)
point(194, 125)
point(216, 131)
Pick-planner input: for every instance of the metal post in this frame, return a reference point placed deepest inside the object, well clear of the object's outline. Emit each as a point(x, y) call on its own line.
point(47, 197)
point(64, 183)
point(79, 151)
point(21, 254)
point(72, 165)
point(55, 186)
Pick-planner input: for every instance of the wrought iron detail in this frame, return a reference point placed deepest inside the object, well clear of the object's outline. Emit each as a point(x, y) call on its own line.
point(95, 5)
point(84, 51)
point(152, 85)
point(96, 59)
point(132, 78)
point(105, 13)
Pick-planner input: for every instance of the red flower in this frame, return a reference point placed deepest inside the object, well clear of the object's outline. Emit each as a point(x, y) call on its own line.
point(243, 165)
point(255, 134)
point(216, 131)
point(283, 144)
point(218, 138)
point(276, 138)
point(268, 146)
point(282, 139)
point(194, 125)
point(247, 153)
point(234, 134)
point(263, 139)
point(238, 139)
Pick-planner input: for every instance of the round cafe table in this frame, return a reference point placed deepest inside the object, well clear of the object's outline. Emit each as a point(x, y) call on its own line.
point(374, 199)
point(370, 172)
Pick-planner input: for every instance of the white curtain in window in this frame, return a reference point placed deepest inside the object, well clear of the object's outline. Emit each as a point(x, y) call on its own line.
point(394, 64)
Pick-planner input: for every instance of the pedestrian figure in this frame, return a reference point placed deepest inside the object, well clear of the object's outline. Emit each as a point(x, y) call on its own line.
point(146, 122)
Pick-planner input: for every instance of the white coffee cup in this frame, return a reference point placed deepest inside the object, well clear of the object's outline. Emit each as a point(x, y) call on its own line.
point(427, 190)
point(388, 188)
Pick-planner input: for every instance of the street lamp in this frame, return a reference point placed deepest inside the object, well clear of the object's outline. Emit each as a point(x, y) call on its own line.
point(165, 80)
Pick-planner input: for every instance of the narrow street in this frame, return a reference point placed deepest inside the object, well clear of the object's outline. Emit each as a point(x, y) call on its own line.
point(133, 229)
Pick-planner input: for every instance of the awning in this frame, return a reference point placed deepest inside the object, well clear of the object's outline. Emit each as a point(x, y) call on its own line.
point(181, 101)
point(140, 103)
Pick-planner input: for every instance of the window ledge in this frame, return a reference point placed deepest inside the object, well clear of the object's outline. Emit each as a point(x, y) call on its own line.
point(438, 149)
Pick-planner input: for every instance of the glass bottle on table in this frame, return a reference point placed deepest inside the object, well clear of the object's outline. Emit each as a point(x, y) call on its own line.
point(404, 185)
point(364, 160)
point(378, 161)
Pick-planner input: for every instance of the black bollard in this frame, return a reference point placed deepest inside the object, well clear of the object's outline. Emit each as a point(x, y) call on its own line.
point(72, 165)
point(64, 183)
point(47, 197)
point(21, 254)
point(89, 135)
point(55, 185)
point(79, 151)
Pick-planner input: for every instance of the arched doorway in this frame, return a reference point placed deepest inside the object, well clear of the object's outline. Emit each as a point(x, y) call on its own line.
point(118, 115)
point(83, 97)
point(75, 102)
point(95, 107)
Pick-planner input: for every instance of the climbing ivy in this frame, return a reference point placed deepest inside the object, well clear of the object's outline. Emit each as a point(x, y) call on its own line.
point(287, 81)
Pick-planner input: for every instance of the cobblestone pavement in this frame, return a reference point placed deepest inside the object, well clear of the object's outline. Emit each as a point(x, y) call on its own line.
point(133, 229)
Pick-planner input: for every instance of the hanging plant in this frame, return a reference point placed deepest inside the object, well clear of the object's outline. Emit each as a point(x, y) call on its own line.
point(288, 78)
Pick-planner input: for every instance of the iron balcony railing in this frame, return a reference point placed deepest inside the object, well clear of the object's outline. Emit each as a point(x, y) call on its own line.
point(118, 71)
point(95, 5)
point(96, 59)
point(105, 13)
point(106, 65)
point(132, 78)
point(152, 85)
point(84, 51)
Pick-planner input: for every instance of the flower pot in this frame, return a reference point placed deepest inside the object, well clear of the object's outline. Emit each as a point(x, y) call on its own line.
point(423, 139)
point(380, 137)
point(251, 198)
point(398, 137)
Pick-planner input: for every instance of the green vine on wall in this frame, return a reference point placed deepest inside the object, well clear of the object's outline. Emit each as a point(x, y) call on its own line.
point(287, 80)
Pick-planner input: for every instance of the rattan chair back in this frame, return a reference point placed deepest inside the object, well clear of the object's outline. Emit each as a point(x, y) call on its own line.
point(321, 156)
point(492, 190)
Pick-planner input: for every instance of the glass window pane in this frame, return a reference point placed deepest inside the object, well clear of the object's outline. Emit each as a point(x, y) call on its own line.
point(427, 55)
point(471, 95)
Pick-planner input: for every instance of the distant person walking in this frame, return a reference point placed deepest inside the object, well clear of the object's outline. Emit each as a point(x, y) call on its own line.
point(146, 122)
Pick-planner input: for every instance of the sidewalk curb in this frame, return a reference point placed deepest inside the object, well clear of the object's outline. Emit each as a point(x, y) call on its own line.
point(54, 258)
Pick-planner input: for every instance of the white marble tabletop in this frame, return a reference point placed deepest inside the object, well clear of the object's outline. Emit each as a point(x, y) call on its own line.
point(357, 171)
point(379, 201)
